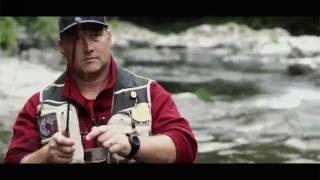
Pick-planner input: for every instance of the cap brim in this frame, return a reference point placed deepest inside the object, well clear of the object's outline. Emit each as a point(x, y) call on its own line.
point(81, 22)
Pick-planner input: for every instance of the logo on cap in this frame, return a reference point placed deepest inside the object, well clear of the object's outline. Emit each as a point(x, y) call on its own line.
point(77, 19)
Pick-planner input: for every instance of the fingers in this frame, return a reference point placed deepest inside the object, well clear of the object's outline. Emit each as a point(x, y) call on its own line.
point(109, 142)
point(61, 149)
point(118, 157)
point(118, 145)
point(105, 136)
point(115, 148)
point(63, 155)
point(96, 131)
point(62, 140)
point(56, 156)
point(66, 149)
point(111, 138)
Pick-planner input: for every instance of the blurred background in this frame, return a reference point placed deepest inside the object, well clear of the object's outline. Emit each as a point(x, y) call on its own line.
point(249, 86)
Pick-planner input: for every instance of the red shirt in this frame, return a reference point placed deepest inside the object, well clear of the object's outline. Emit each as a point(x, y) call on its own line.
point(165, 120)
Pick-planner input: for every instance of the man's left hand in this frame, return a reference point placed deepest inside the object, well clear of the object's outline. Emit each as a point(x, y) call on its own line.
point(111, 138)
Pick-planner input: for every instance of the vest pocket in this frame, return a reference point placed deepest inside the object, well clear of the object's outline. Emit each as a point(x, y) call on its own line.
point(136, 119)
point(48, 126)
point(54, 115)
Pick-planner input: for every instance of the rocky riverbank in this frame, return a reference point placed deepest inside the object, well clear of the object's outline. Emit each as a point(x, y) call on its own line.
point(250, 96)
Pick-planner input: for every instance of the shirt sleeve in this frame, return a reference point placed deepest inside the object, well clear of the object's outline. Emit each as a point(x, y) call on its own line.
point(167, 120)
point(25, 138)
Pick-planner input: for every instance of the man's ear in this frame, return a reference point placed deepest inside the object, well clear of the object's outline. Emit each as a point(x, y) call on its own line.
point(109, 36)
point(59, 46)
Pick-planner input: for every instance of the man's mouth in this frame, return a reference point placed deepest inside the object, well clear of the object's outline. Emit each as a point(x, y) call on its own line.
point(90, 58)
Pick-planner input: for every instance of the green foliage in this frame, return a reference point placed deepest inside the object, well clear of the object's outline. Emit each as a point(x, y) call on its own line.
point(113, 22)
point(40, 31)
point(203, 93)
point(27, 31)
point(7, 32)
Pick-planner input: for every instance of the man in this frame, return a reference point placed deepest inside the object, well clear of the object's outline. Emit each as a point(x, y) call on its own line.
point(98, 112)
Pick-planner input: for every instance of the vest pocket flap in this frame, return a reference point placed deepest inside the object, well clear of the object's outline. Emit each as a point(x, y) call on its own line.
point(141, 113)
point(120, 119)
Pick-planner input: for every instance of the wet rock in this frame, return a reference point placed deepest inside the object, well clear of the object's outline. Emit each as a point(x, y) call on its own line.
point(295, 53)
point(237, 46)
point(150, 56)
point(298, 69)
point(253, 63)
point(275, 49)
point(205, 57)
point(126, 34)
point(309, 46)
point(303, 144)
point(50, 57)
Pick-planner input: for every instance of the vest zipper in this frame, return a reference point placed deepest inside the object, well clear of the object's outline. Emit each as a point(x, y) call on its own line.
point(93, 120)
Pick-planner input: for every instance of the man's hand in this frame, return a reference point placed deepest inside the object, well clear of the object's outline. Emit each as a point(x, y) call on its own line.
point(58, 150)
point(111, 138)
point(153, 149)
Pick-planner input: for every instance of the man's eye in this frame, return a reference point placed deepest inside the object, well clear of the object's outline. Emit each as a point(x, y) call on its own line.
point(96, 34)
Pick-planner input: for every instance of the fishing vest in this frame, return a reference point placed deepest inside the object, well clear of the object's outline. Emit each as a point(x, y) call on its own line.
point(130, 113)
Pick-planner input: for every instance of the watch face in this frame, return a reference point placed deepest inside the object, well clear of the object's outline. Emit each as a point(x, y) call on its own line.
point(135, 140)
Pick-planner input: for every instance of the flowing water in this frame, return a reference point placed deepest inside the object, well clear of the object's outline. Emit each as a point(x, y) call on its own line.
point(244, 107)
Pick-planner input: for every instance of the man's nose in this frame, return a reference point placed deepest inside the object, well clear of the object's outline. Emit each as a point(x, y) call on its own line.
point(87, 45)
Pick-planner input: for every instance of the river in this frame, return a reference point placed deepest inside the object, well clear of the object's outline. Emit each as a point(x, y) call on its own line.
point(250, 96)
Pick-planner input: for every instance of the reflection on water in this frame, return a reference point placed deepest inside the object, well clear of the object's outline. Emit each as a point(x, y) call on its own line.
point(276, 151)
point(270, 128)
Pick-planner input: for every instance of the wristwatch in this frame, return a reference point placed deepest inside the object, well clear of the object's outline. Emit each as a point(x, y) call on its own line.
point(135, 145)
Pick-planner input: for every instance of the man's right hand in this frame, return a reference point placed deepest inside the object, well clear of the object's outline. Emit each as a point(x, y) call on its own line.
point(58, 150)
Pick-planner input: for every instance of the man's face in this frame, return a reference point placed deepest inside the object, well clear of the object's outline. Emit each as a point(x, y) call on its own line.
point(92, 49)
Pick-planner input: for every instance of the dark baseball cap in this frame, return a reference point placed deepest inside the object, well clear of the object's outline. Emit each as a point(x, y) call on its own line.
point(67, 22)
